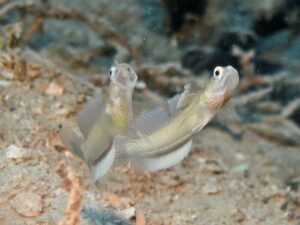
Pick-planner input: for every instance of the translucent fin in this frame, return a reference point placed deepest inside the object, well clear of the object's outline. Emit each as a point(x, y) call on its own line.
point(158, 101)
point(145, 106)
point(228, 114)
point(120, 142)
point(87, 117)
point(141, 107)
point(229, 118)
point(190, 91)
point(99, 140)
point(99, 169)
point(173, 104)
point(148, 122)
point(153, 164)
point(71, 140)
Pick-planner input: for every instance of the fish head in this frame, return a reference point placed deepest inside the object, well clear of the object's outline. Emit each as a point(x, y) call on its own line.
point(123, 76)
point(221, 87)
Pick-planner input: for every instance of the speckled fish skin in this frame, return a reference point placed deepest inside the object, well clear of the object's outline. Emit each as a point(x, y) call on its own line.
point(101, 119)
point(123, 80)
point(168, 145)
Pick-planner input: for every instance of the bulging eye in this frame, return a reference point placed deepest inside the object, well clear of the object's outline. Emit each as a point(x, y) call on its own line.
point(133, 77)
point(218, 72)
point(111, 71)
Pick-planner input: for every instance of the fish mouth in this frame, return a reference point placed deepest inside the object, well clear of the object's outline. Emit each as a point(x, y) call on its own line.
point(125, 78)
point(229, 83)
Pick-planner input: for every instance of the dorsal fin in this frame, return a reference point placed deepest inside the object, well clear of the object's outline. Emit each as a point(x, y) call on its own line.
point(150, 121)
point(71, 139)
point(149, 103)
point(190, 91)
point(173, 104)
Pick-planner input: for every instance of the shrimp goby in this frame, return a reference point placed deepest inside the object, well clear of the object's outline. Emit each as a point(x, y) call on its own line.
point(101, 119)
point(160, 140)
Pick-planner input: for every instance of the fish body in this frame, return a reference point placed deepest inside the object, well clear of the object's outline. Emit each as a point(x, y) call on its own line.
point(171, 139)
point(101, 119)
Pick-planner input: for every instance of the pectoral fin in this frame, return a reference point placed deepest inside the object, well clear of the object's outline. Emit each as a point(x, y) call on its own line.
point(88, 116)
point(149, 122)
point(98, 149)
point(71, 140)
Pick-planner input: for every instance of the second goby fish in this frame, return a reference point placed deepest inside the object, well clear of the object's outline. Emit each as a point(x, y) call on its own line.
point(162, 141)
point(101, 119)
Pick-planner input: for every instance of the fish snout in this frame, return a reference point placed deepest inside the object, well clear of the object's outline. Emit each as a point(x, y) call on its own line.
point(232, 69)
point(232, 79)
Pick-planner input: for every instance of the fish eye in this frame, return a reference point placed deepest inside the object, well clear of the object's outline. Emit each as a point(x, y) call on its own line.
point(111, 71)
point(218, 72)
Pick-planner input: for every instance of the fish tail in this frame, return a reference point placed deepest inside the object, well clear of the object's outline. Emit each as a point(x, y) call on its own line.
point(163, 161)
point(71, 140)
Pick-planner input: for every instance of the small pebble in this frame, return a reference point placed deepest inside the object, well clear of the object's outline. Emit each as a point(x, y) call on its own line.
point(127, 213)
point(27, 204)
point(7, 75)
point(211, 187)
point(54, 89)
point(213, 167)
point(241, 168)
point(4, 83)
point(14, 152)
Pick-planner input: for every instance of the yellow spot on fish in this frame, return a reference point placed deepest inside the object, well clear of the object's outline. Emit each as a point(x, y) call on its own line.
point(119, 115)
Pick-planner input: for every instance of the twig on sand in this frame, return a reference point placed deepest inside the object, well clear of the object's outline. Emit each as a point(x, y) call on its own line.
point(35, 26)
point(72, 211)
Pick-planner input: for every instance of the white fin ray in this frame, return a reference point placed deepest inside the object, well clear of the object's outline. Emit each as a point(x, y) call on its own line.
point(148, 122)
point(229, 118)
point(88, 116)
point(149, 104)
point(140, 107)
point(99, 169)
point(71, 140)
point(173, 104)
point(153, 164)
point(99, 139)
